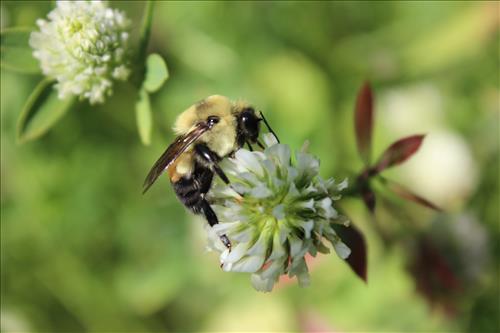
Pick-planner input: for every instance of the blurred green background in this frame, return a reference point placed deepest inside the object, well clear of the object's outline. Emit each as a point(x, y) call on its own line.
point(83, 250)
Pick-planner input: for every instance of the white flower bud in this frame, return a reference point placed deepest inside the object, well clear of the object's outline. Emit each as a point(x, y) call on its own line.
point(83, 45)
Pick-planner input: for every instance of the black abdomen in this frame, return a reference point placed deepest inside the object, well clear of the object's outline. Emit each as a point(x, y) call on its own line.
point(191, 190)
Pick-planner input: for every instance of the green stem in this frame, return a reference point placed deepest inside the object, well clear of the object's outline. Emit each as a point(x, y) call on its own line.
point(147, 18)
point(145, 33)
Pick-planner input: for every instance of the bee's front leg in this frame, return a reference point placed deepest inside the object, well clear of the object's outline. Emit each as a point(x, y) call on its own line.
point(211, 159)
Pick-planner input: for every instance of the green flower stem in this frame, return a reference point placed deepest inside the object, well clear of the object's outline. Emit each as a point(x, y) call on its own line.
point(147, 19)
point(145, 33)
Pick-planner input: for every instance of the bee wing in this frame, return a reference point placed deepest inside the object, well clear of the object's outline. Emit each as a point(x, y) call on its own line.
point(173, 151)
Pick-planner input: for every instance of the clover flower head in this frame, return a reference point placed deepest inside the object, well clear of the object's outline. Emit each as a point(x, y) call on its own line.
point(286, 211)
point(83, 45)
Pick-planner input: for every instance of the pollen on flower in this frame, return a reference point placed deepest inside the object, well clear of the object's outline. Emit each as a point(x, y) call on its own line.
point(83, 45)
point(287, 211)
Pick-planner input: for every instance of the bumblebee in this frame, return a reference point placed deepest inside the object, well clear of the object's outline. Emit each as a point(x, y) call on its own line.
point(207, 131)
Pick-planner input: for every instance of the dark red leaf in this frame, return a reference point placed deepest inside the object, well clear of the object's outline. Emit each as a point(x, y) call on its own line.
point(368, 198)
point(433, 273)
point(363, 122)
point(405, 193)
point(354, 239)
point(363, 188)
point(399, 152)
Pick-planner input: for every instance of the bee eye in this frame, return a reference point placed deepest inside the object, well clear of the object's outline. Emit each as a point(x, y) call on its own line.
point(249, 110)
point(249, 124)
point(212, 120)
point(248, 116)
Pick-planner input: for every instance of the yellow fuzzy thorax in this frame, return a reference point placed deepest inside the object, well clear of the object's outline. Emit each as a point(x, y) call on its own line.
point(221, 139)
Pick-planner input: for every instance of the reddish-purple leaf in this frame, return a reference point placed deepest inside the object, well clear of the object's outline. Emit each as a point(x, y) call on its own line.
point(354, 239)
point(368, 198)
point(434, 274)
point(363, 122)
point(399, 152)
point(405, 193)
point(364, 189)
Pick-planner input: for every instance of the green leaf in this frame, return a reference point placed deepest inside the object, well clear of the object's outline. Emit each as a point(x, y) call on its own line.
point(16, 53)
point(144, 117)
point(41, 111)
point(156, 73)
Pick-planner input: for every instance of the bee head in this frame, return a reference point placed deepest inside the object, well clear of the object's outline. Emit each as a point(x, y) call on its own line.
point(248, 124)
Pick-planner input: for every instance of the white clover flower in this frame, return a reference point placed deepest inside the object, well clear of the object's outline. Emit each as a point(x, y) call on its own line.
point(84, 46)
point(286, 212)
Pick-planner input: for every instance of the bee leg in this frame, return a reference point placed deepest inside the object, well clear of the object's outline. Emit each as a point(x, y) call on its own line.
point(211, 159)
point(249, 146)
point(212, 220)
point(191, 192)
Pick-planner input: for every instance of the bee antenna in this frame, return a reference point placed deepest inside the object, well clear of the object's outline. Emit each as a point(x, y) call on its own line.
point(269, 127)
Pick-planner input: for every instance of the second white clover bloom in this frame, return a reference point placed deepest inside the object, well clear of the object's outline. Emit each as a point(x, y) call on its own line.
point(286, 211)
point(83, 46)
